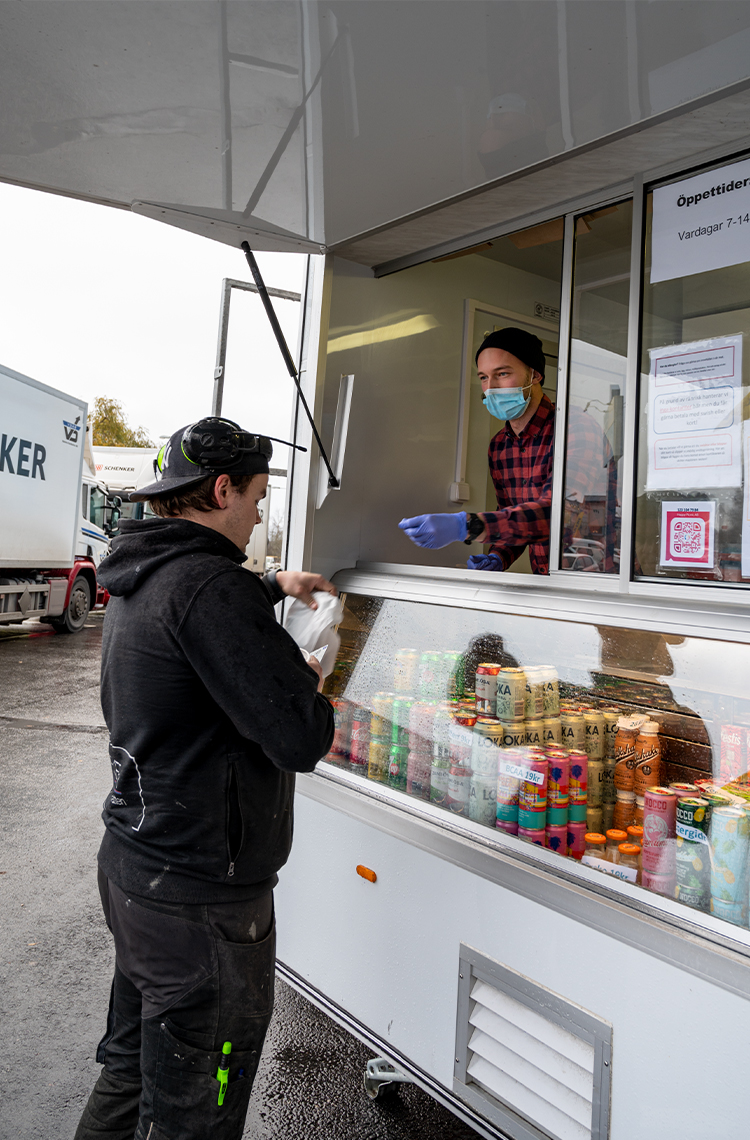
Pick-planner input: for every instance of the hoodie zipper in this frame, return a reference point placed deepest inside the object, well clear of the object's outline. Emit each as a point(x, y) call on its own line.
point(233, 795)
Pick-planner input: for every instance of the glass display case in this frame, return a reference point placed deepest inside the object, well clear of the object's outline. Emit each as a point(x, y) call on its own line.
point(623, 749)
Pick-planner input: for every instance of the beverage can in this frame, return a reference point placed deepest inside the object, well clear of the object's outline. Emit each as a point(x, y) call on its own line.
point(418, 773)
point(577, 813)
point(609, 795)
point(486, 745)
point(398, 760)
point(461, 741)
point(533, 835)
point(730, 832)
point(577, 839)
point(685, 791)
point(594, 819)
point(359, 747)
point(486, 689)
point(401, 711)
point(595, 778)
point(661, 884)
point(693, 851)
point(533, 695)
point(377, 766)
point(611, 716)
point(573, 730)
point(342, 711)
point(579, 777)
point(439, 784)
point(441, 750)
point(557, 838)
point(551, 688)
point(558, 781)
point(627, 731)
point(459, 783)
point(421, 719)
point(483, 799)
point(594, 740)
point(406, 671)
point(510, 827)
point(382, 710)
point(453, 674)
point(534, 732)
point(733, 758)
point(730, 912)
point(514, 734)
point(551, 730)
point(659, 831)
point(510, 694)
point(431, 676)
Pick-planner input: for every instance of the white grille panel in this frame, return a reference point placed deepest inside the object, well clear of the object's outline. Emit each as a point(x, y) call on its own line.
point(532, 1064)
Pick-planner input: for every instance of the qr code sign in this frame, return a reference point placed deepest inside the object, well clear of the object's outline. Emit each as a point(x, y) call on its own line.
point(688, 537)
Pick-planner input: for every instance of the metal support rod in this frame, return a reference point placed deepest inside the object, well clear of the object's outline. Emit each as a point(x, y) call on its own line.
point(287, 356)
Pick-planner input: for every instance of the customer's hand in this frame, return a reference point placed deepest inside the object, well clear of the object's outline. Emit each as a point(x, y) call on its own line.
point(316, 667)
point(485, 562)
point(300, 584)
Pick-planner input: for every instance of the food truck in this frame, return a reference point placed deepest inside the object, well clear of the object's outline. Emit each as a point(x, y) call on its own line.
point(581, 172)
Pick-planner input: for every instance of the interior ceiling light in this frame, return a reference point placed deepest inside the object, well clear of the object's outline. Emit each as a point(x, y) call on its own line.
point(410, 327)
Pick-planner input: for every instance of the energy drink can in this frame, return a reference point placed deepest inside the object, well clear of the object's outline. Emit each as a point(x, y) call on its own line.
point(536, 835)
point(483, 799)
point(557, 838)
point(510, 827)
point(579, 777)
point(406, 671)
point(577, 839)
point(510, 694)
point(459, 782)
point(558, 782)
point(486, 689)
point(398, 763)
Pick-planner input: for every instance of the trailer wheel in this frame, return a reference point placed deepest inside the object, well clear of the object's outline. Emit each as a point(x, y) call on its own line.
point(77, 609)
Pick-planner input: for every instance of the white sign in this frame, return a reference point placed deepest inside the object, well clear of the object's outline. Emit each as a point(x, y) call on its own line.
point(687, 535)
point(694, 415)
point(521, 772)
point(701, 223)
point(628, 874)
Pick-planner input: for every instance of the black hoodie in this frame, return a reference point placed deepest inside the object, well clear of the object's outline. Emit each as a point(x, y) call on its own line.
point(210, 708)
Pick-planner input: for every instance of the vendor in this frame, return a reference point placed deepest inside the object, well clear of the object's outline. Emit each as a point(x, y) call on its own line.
point(510, 365)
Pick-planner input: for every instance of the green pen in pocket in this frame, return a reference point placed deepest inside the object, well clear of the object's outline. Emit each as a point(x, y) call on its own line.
point(222, 1073)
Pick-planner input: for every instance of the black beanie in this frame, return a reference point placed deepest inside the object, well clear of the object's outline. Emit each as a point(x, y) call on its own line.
point(524, 345)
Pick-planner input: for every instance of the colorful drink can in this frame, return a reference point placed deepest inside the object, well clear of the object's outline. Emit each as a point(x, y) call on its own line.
point(557, 838)
point(577, 813)
point(557, 815)
point(401, 712)
point(514, 734)
point(551, 688)
point(594, 740)
point(533, 835)
point(595, 791)
point(431, 675)
point(534, 732)
point(382, 715)
point(359, 746)
point(439, 785)
point(733, 758)
point(552, 730)
point(510, 827)
point(532, 791)
point(659, 831)
point(342, 711)
point(483, 800)
point(453, 674)
point(486, 688)
point(377, 765)
point(579, 777)
point(730, 912)
point(486, 745)
point(558, 781)
point(573, 729)
point(406, 671)
point(510, 694)
point(685, 791)
point(398, 760)
point(533, 708)
point(577, 839)
point(459, 783)
point(693, 852)
point(421, 718)
point(730, 832)
point(660, 884)
point(508, 812)
point(418, 773)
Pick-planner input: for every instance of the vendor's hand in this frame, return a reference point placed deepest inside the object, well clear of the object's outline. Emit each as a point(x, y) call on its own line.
point(485, 562)
point(299, 584)
point(316, 666)
point(434, 531)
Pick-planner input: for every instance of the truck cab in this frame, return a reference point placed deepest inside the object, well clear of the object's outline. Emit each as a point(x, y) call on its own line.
point(99, 517)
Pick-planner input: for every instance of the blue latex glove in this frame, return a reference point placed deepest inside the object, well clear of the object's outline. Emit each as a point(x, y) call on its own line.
point(485, 562)
point(434, 531)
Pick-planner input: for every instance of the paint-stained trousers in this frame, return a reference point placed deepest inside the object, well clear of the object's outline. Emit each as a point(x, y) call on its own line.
point(188, 977)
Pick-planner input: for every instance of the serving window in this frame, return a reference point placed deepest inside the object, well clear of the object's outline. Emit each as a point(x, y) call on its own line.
point(624, 750)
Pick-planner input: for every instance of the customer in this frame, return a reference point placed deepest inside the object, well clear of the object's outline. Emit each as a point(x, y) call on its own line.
point(211, 709)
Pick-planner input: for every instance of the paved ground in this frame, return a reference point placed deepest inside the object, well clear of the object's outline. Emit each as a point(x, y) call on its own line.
point(56, 954)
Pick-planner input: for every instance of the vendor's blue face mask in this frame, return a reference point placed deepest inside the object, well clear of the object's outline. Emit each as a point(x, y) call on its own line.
point(507, 403)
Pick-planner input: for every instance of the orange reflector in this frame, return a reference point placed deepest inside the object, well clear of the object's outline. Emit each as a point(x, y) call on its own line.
point(366, 873)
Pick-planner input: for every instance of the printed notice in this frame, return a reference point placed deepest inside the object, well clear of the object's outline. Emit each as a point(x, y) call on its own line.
point(521, 772)
point(694, 416)
point(627, 874)
point(687, 535)
point(701, 223)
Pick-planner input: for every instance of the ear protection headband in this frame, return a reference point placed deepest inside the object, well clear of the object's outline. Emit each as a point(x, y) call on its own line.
point(218, 444)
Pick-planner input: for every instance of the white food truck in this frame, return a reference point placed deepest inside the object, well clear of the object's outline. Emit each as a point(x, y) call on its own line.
point(55, 515)
point(580, 171)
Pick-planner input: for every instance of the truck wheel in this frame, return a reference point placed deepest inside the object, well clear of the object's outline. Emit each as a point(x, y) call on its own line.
point(77, 609)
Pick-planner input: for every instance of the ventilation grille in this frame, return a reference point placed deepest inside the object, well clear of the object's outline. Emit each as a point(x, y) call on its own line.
point(543, 1071)
point(538, 1064)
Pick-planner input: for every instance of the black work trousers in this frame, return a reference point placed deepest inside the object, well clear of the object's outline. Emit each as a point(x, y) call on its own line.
point(188, 978)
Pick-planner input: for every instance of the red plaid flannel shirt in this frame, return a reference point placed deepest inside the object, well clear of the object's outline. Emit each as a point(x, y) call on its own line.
point(521, 469)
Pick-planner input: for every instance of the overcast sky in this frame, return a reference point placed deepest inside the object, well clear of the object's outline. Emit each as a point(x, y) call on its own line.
point(101, 302)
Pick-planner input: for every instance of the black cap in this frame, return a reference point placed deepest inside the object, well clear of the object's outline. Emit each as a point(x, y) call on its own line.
point(211, 446)
point(523, 345)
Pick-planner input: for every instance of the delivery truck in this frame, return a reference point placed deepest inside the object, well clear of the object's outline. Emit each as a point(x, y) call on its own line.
point(55, 515)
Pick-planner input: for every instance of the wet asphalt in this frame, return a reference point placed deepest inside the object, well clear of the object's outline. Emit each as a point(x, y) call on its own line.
point(56, 954)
